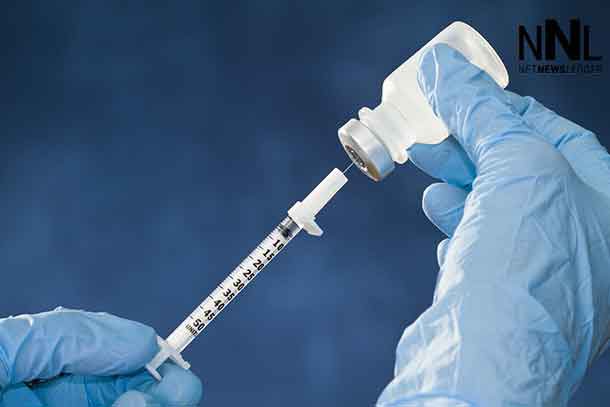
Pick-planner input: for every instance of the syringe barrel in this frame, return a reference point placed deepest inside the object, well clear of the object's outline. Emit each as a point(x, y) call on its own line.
point(300, 216)
point(226, 291)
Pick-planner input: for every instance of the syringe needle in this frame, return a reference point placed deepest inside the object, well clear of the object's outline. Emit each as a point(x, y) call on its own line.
point(348, 168)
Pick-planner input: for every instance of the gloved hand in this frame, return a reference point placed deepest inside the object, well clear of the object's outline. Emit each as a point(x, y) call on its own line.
point(522, 303)
point(100, 359)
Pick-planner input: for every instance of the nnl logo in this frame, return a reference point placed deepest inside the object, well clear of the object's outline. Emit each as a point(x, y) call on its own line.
point(553, 33)
point(576, 45)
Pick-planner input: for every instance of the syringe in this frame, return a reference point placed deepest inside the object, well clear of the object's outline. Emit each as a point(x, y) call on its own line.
point(302, 215)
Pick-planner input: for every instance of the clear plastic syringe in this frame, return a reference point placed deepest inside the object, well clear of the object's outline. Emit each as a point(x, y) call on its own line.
point(302, 215)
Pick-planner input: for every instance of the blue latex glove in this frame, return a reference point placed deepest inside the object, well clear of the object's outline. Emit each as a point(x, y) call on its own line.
point(522, 303)
point(100, 357)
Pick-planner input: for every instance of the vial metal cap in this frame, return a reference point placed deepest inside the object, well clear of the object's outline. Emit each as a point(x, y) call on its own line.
point(365, 150)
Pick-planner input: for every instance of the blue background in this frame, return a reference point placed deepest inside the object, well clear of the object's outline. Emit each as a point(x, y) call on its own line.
point(146, 147)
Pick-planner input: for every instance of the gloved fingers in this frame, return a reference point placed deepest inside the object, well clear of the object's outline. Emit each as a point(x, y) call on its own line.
point(446, 161)
point(42, 346)
point(75, 390)
point(69, 390)
point(477, 111)
point(441, 251)
point(19, 395)
point(443, 204)
point(557, 130)
point(589, 159)
point(178, 387)
point(135, 398)
point(441, 255)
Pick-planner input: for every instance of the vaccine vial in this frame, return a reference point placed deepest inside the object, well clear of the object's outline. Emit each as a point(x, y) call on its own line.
point(381, 136)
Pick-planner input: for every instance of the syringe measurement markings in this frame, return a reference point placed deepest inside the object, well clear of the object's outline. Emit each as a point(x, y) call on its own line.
point(209, 309)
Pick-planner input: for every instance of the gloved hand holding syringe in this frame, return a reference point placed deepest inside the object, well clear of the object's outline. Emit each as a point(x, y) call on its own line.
point(302, 215)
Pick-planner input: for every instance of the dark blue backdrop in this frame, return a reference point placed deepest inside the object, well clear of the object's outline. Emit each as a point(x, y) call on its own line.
point(146, 147)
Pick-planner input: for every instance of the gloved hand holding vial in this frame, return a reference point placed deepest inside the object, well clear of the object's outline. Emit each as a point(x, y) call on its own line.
point(521, 305)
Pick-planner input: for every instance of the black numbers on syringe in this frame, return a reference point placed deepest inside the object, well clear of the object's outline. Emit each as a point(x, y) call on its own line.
point(238, 284)
point(222, 295)
point(228, 295)
point(278, 245)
